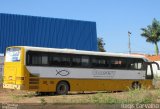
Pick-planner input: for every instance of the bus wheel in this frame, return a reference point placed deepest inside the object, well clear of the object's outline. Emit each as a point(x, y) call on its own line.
point(62, 88)
point(136, 85)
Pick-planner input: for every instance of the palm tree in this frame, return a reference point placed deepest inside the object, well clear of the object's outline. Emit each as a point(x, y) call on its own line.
point(152, 34)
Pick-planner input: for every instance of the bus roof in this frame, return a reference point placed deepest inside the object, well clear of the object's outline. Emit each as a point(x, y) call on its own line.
point(82, 52)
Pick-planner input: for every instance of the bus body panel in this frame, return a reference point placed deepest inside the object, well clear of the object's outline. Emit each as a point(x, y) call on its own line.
point(49, 85)
point(85, 73)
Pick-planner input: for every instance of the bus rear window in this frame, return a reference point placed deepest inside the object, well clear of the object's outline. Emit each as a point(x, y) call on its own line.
point(13, 55)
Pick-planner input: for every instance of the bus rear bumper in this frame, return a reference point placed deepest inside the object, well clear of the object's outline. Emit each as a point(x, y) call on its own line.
point(13, 86)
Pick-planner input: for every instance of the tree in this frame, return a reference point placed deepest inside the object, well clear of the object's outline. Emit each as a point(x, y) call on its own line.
point(101, 44)
point(152, 34)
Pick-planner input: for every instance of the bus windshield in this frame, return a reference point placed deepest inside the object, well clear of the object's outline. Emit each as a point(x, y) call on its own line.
point(13, 55)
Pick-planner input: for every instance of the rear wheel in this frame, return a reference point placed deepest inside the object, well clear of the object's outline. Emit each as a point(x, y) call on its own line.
point(62, 88)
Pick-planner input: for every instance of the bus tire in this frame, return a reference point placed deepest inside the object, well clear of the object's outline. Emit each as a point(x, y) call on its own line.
point(62, 88)
point(136, 85)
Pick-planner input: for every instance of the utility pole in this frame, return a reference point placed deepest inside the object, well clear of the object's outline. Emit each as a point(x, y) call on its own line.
point(129, 42)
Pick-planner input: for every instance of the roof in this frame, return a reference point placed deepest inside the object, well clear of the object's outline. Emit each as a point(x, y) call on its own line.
point(74, 51)
point(154, 58)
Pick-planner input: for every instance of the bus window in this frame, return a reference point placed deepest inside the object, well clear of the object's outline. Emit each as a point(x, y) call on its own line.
point(76, 61)
point(12, 55)
point(139, 65)
point(122, 63)
point(36, 60)
point(114, 63)
point(118, 63)
point(107, 63)
point(135, 64)
point(55, 60)
point(85, 61)
point(65, 60)
point(98, 62)
point(44, 60)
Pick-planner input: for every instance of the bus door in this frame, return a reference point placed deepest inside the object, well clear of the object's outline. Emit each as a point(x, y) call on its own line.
point(149, 69)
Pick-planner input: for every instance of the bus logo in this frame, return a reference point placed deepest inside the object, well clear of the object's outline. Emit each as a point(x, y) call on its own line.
point(109, 74)
point(62, 72)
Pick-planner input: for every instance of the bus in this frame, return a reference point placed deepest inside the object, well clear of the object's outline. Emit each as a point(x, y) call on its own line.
point(47, 70)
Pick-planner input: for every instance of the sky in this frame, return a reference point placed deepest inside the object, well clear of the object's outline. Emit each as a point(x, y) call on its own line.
point(114, 18)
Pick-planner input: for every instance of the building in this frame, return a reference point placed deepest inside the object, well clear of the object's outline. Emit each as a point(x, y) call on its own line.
point(25, 30)
point(153, 58)
point(22, 30)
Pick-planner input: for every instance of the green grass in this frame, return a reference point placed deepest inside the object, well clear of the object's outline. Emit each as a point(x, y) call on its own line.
point(138, 96)
point(29, 95)
point(19, 97)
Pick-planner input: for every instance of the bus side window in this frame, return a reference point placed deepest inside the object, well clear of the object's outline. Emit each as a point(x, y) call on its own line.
point(122, 63)
point(102, 62)
point(36, 60)
point(107, 63)
point(94, 62)
point(66, 61)
point(135, 64)
point(118, 63)
point(98, 62)
point(54, 60)
point(85, 61)
point(139, 66)
point(114, 62)
point(44, 60)
point(76, 61)
point(28, 59)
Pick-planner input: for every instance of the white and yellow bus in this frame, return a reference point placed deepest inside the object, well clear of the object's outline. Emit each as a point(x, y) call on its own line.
point(61, 70)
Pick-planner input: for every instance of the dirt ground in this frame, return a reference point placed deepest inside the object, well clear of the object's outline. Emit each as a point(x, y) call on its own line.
point(16, 96)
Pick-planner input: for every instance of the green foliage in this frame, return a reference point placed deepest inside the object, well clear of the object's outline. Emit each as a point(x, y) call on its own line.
point(29, 95)
point(137, 96)
point(101, 45)
point(112, 100)
point(152, 34)
point(141, 96)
